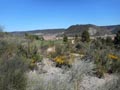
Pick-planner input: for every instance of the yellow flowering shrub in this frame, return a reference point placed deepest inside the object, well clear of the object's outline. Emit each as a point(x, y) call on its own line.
point(68, 60)
point(111, 56)
point(60, 59)
point(33, 61)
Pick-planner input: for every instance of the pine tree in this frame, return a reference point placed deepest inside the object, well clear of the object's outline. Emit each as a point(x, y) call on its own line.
point(65, 38)
point(85, 36)
point(117, 39)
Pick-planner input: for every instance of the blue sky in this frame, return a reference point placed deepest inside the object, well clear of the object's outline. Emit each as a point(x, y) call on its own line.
point(21, 15)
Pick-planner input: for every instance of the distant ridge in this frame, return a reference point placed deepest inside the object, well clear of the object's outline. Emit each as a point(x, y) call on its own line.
point(73, 30)
point(43, 32)
point(93, 29)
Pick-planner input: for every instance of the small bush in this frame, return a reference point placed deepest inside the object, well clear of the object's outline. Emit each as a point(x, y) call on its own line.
point(12, 74)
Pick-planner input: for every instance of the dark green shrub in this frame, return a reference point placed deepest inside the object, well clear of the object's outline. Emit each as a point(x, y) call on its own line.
point(65, 39)
point(85, 36)
point(117, 40)
point(78, 46)
point(109, 41)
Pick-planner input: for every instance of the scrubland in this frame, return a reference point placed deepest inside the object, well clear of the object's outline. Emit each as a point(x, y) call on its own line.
point(31, 63)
